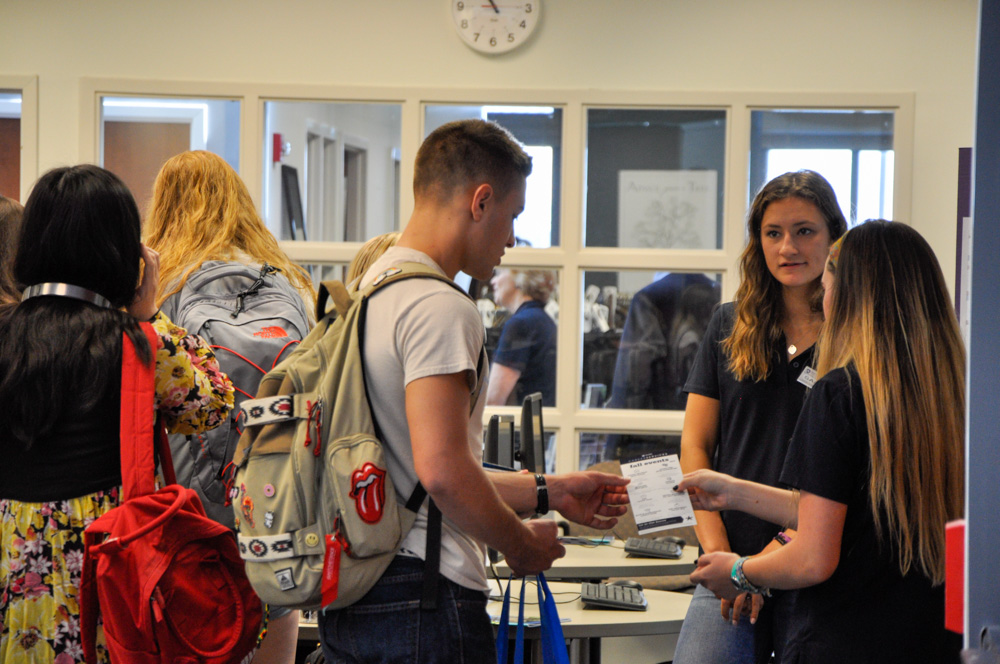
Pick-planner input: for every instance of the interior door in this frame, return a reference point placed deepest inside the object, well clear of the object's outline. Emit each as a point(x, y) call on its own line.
point(10, 158)
point(135, 152)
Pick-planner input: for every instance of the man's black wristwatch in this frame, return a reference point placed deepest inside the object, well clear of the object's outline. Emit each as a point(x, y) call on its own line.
point(542, 492)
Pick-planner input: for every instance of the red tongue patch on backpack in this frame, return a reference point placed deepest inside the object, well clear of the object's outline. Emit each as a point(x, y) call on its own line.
point(368, 492)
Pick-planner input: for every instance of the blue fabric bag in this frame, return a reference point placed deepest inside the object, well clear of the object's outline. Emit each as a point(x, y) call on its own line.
point(553, 643)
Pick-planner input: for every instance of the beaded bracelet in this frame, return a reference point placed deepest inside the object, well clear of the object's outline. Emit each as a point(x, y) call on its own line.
point(741, 582)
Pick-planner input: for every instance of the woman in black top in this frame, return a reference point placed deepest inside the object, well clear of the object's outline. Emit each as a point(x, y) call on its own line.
point(876, 462)
point(745, 391)
point(88, 280)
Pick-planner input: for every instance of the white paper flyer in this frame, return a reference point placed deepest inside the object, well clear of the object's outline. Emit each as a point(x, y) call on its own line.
point(655, 504)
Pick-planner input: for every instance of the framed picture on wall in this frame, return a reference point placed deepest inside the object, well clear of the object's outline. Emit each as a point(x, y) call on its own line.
point(291, 203)
point(667, 209)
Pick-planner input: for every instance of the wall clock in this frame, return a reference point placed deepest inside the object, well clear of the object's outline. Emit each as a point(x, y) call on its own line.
point(495, 26)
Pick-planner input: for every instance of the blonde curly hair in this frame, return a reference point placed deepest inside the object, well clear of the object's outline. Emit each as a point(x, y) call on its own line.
point(201, 210)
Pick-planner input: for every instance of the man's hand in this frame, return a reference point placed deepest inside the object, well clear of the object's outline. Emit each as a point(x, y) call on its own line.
point(586, 497)
point(713, 573)
point(541, 548)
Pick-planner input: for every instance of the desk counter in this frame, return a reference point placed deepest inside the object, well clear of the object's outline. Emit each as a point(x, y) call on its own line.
point(610, 560)
point(664, 614)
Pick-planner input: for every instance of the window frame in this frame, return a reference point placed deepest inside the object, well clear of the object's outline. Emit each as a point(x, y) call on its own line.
point(570, 259)
point(821, 141)
point(27, 86)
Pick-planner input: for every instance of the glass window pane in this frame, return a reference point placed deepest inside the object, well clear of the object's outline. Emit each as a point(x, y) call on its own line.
point(834, 165)
point(851, 149)
point(608, 446)
point(641, 331)
point(140, 133)
point(331, 169)
point(10, 144)
point(875, 173)
point(325, 272)
point(513, 444)
point(655, 178)
point(519, 307)
point(539, 128)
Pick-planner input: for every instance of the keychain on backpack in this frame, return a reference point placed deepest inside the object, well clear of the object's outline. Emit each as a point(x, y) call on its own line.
point(331, 567)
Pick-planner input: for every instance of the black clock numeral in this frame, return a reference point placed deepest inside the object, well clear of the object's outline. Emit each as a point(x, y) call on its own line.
point(460, 6)
point(493, 41)
point(510, 36)
point(475, 36)
point(465, 24)
point(527, 8)
point(524, 25)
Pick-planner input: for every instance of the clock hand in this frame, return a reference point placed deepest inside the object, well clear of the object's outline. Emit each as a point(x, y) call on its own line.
point(494, 5)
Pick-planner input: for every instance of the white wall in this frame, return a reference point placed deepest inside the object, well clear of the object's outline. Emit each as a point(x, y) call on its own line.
point(926, 47)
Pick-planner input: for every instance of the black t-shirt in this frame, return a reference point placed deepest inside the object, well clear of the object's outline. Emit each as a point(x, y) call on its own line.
point(79, 457)
point(756, 420)
point(867, 611)
point(528, 344)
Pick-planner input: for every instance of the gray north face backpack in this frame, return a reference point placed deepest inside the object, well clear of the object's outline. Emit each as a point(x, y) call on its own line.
point(318, 516)
point(253, 318)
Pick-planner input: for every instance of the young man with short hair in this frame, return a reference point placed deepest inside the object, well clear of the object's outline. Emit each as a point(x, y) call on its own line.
point(423, 342)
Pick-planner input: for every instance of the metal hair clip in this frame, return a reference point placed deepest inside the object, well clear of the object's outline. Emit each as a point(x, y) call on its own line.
point(66, 290)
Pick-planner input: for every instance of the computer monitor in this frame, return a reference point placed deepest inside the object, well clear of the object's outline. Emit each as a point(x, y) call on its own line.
point(499, 447)
point(531, 452)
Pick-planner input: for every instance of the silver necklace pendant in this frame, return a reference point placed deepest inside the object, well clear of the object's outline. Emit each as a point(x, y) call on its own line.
point(792, 349)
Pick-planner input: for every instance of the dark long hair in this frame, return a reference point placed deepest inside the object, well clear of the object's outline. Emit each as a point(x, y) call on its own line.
point(60, 356)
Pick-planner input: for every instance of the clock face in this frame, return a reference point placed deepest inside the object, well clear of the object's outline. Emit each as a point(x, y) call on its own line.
point(495, 26)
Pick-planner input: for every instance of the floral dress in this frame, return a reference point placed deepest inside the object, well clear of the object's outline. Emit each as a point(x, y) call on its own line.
point(41, 558)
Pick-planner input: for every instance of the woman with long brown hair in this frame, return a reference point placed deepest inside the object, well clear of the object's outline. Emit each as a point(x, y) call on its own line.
point(745, 391)
point(877, 462)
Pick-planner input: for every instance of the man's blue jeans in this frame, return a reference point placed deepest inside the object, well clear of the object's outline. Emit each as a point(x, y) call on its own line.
point(387, 624)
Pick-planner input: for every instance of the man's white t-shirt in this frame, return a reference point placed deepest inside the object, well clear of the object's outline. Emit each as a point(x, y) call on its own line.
point(414, 329)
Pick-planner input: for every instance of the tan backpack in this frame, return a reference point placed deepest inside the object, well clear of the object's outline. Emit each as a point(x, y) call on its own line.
point(317, 514)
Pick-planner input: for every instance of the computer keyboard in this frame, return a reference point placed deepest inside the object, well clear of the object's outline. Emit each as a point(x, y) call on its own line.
point(651, 548)
point(612, 597)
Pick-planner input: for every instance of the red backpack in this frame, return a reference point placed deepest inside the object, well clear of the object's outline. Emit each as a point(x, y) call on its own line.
point(167, 580)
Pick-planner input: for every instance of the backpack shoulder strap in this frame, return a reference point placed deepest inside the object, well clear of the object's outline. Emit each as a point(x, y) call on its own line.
point(336, 291)
point(138, 466)
point(408, 270)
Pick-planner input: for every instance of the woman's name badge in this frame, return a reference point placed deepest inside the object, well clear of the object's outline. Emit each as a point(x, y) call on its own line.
point(808, 377)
